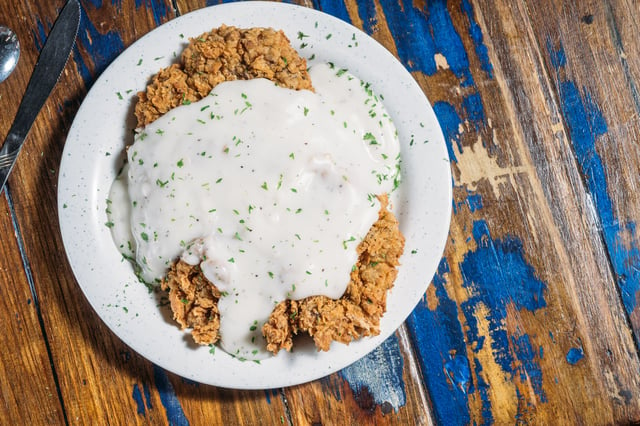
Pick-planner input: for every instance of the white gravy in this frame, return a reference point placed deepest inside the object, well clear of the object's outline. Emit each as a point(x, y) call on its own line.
point(270, 190)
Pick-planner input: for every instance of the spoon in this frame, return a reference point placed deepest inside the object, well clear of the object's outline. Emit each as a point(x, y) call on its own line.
point(9, 52)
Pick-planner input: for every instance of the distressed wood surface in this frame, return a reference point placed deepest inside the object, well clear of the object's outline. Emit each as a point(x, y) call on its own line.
point(532, 316)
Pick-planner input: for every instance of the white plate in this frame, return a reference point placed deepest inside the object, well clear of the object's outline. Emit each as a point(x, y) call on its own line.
point(92, 157)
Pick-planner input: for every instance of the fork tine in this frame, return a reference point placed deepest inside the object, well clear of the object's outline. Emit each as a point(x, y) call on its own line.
point(6, 160)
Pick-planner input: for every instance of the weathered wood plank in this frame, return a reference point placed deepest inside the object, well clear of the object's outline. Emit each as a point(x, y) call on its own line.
point(384, 387)
point(28, 391)
point(519, 324)
point(591, 55)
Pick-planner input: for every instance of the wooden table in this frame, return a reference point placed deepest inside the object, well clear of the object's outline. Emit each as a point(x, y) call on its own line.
point(533, 314)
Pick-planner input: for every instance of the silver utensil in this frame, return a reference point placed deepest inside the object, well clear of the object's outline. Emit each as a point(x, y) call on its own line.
point(51, 62)
point(9, 52)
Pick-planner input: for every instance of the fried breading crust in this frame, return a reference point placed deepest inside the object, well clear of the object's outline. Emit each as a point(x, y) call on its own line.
point(357, 313)
point(194, 301)
point(223, 54)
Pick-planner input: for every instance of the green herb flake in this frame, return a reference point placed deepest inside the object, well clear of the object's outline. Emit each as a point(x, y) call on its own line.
point(370, 138)
point(144, 236)
point(344, 243)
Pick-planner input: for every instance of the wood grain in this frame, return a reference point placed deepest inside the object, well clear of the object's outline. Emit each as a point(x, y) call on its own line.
point(528, 321)
point(24, 353)
point(532, 316)
point(586, 56)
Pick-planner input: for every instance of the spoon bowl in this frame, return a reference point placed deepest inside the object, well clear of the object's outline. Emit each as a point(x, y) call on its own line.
point(9, 52)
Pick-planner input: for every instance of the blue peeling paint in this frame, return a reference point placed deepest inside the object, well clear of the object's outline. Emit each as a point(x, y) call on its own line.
point(478, 41)
point(458, 373)
point(137, 397)
point(170, 401)
point(367, 12)
point(496, 276)
point(473, 109)
point(380, 374)
point(420, 34)
point(483, 391)
point(268, 393)
point(438, 339)
point(574, 355)
point(472, 200)
point(586, 124)
point(334, 8)
point(558, 57)
point(147, 395)
point(158, 7)
point(530, 370)
point(450, 124)
point(39, 34)
point(101, 48)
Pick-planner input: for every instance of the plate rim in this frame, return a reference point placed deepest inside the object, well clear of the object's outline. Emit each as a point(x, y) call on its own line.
point(282, 7)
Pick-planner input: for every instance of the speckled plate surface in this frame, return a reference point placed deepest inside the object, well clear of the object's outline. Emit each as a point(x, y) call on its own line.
point(92, 157)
